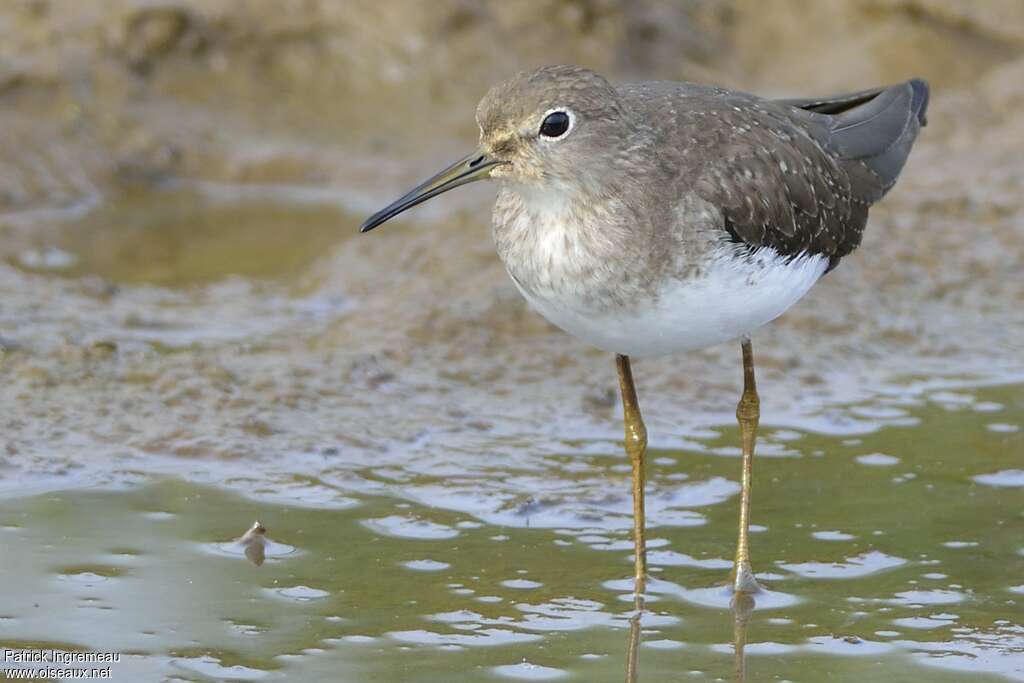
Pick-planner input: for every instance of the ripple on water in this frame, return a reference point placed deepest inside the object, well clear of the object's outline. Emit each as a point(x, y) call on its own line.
point(401, 526)
point(575, 505)
point(996, 651)
point(1002, 479)
point(574, 614)
point(521, 584)
point(298, 492)
point(664, 644)
point(847, 647)
point(298, 593)
point(932, 597)
point(671, 558)
point(211, 667)
point(832, 536)
point(485, 637)
point(525, 671)
point(866, 564)
point(926, 623)
point(713, 596)
point(88, 575)
point(425, 565)
point(235, 549)
point(877, 459)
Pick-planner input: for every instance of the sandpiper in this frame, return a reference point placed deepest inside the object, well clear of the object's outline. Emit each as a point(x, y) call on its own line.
point(656, 217)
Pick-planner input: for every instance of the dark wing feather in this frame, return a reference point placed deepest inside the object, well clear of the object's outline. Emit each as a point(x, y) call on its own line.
point(800, 175)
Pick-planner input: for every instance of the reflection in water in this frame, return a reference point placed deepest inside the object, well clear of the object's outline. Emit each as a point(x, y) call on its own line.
point(633, 649)
point(255, 543)
point(742, 609)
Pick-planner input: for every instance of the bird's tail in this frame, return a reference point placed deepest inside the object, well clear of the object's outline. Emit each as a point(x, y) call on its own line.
point(875, 127)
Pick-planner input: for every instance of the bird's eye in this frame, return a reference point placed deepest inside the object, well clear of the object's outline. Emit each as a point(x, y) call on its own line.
point(555, 124)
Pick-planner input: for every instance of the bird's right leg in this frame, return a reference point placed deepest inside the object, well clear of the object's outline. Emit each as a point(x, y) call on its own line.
point(636, 449)
point(748, 414)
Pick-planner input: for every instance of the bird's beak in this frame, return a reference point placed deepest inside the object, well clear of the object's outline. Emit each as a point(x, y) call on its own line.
point(476, 166)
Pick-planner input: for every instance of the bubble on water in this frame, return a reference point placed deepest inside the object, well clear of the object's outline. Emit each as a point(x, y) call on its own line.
point(401, 526)
point(525, 671)
point(960, 544)
point(1002, 428)
point(866, 564)
point(1017, 589)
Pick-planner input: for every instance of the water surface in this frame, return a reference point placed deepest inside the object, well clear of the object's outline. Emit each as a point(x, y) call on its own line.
point(905, 567)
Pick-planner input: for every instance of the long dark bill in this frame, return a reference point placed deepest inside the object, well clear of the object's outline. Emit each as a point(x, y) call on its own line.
point(475, 166)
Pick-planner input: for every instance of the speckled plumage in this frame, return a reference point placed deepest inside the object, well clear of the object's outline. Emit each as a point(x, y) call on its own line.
point(654, 198)
point(659, 178)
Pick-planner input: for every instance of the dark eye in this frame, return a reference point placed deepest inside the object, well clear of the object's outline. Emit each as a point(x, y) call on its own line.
point(555, 124)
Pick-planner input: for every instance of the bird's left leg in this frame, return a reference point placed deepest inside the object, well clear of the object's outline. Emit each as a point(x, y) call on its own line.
point(748, 412)
point(636, 448)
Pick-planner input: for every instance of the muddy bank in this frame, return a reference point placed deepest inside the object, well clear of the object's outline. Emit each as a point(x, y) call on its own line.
point(181, 277)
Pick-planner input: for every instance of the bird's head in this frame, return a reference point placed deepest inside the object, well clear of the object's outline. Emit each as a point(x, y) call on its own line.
point(556, 129)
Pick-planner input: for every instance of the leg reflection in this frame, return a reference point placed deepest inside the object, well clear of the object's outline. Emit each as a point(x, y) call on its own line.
point(632, 651)
point(742, 609)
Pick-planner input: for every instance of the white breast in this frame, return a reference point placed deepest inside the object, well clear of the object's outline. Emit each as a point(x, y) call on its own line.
point(734, 295)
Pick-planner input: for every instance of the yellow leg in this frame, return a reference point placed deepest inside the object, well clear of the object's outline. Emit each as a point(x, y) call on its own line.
point(748, 412)
point(636, 448)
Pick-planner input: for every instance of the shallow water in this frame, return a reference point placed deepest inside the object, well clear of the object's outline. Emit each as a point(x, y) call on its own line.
point(893, 556)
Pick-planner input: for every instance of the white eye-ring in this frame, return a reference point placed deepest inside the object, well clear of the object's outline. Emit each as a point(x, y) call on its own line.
point(557, 123)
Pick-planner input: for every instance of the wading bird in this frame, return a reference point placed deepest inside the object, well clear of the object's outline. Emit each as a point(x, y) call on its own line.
point(656, 217)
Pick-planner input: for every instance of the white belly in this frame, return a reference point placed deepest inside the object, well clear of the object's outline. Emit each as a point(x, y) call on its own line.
point(730, 299)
